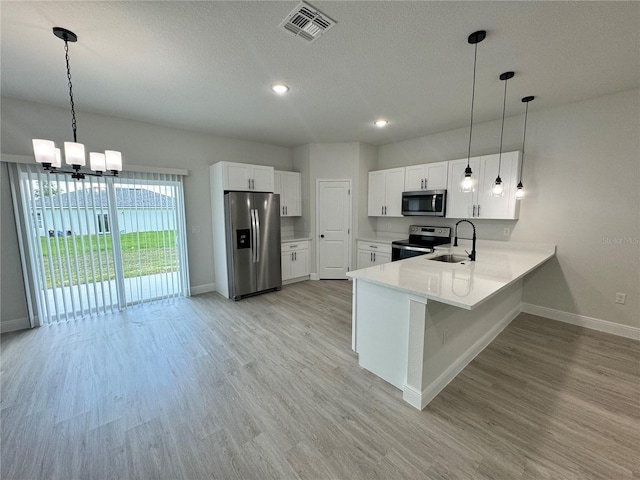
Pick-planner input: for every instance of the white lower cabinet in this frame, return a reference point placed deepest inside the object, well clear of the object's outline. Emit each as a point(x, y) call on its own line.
point(295, 260)
point(373, 253)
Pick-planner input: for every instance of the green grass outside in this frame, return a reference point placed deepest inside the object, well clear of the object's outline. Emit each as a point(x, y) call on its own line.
point(143, 253)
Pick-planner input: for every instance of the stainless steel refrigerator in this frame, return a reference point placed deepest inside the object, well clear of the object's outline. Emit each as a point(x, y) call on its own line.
point(252, 222)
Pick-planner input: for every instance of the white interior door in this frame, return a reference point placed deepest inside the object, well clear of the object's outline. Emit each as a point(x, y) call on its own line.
point(334, 224)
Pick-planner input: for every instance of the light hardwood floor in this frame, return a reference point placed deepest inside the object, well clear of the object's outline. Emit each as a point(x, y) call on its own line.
point(269, 388)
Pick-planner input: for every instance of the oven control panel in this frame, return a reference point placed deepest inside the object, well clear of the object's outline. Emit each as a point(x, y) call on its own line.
point(425, 231)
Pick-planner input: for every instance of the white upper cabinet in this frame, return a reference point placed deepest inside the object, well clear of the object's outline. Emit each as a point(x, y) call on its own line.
point(480, 203)
point(430, 176)
point(385, 192)
point(246, 177)
point(288, 185)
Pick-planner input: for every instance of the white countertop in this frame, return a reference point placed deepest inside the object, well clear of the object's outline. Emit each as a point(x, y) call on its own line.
point(382, 237)
point(293, 239)
point(465, 285)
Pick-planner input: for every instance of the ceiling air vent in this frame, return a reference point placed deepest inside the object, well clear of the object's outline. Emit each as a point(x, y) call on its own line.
point(306, 22)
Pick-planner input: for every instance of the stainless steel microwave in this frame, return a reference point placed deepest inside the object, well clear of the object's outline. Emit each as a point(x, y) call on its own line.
point(426, 202)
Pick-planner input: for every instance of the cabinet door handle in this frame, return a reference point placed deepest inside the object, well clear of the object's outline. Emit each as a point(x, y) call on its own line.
point(286, 209)
point(474, 211)
point(382, 210)
point(249, 183)
point(372, 246)
point(385, 209)
point(374, 257)
point(425, 183)
point(283, 210)
point(292, 256)
point(371, 256)
point(422, 184)
point(478, 211)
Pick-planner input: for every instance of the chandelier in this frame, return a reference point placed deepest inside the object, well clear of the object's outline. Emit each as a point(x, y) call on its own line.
point(50, 157)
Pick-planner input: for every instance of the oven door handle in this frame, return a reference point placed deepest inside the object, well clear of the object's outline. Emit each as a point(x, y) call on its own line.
point(413, 249)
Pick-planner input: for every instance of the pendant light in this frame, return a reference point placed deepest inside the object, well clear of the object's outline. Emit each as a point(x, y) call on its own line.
point(520, 187)
point(498, 186)
point(50, 157)
point(467, 183)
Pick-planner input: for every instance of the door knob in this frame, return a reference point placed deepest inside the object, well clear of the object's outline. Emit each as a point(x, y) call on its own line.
point(321, 236)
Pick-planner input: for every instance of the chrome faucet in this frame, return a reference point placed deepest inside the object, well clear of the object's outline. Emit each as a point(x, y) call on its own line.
point(472, 255)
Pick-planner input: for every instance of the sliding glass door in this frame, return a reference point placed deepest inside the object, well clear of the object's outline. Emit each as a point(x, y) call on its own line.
point(99, 244)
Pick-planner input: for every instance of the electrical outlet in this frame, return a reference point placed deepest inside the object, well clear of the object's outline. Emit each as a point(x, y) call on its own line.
point(507, 231)
point(621, 298)
point(445, 335)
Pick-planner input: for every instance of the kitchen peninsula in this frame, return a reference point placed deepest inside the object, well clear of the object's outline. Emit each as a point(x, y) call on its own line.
point(418, 322)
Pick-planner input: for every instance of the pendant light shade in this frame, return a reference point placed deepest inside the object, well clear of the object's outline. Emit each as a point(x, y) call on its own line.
point(114, 160)
point(74, 154)
point(44, 151)
point(498, 186)
point(520, 187)
point(467, 183)
point(50, 157)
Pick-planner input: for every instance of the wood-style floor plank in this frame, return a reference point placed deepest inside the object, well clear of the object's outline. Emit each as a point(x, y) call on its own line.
point(268, 387)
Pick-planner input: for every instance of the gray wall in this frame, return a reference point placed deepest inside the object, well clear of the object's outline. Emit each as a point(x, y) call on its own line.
point(592, 146)
point(142, 144)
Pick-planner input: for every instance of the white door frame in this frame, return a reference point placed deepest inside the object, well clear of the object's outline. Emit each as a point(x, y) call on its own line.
point(349, 234)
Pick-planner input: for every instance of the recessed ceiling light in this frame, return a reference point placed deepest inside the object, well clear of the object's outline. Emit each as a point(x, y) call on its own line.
point(280, 88)
point(380, 123)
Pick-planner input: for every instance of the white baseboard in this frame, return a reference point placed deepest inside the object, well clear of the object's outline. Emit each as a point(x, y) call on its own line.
point(626, 331)
point(314, 276)
point(206, 288)
point(295, 280)
point(14, 325)
point(421, 400)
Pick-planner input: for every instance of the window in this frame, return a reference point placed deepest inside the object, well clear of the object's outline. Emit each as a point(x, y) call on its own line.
point(103, 223)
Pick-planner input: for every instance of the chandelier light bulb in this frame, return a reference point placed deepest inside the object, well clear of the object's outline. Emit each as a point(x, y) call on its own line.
point(74, 154)
point(44, 151)
point(520, 191)
point(114, 160)
point(97, 162)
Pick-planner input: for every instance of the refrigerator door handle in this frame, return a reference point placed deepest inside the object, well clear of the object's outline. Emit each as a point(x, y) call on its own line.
point(257, 235)
point(253, 235)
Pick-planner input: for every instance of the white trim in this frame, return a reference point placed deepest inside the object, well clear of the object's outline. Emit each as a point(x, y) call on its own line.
point(434, 388)
point(413, 397)
point(295, 280)
point(12, 158)
point(200, 289)
point(626, 331)
point(14, 325)
point(350, 228)
point(314, 276)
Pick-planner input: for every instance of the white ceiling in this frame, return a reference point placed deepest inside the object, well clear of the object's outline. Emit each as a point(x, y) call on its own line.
point(208, 66)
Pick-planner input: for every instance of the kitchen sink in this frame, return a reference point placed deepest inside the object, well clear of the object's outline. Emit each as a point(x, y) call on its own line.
point(449, 258)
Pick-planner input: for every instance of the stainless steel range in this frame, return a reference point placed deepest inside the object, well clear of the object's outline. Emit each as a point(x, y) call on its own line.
point(421, 241)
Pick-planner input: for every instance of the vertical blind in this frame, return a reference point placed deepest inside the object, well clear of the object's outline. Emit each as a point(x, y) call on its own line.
point(99, 244)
